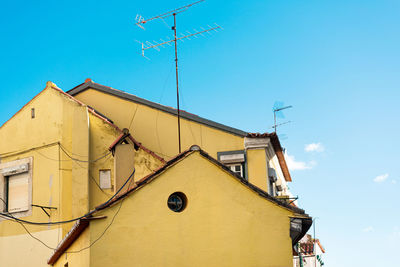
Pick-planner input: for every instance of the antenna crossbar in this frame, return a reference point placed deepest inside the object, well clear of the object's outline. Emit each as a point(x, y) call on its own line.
point(141, 20)
point(279, 124)
point(282, 108)
point(149, 45)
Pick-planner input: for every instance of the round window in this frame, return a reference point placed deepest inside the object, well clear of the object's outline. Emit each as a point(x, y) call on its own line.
point(177, 201)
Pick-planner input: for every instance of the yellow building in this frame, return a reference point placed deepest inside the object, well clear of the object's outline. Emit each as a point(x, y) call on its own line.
point(53, 152)
point(257, 157)
point(77, 190)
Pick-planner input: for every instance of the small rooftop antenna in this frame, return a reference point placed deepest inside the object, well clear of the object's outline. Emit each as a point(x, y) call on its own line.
point(140, 22)
point(277, 109)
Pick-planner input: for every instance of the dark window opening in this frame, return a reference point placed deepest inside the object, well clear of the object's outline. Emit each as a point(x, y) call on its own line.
point(177, 201)
point(5, 200)
point(237, 168)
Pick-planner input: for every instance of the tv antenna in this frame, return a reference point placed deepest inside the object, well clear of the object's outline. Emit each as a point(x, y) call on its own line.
point(140, 22)
point(277, 109)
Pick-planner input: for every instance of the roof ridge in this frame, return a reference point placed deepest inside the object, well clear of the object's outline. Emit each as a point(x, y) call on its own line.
point(186, 153)
point(145, 180)
point(131, 97)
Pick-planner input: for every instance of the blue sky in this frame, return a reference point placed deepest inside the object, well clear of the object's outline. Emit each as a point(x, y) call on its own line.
point(336, 62)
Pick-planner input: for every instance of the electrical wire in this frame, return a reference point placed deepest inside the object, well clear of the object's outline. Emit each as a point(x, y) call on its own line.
point(188, 122)
point(108, 226)
point(13, 153)
point(80, 250)
point(72, 158)
point(158, 111)
point(90, 161)
point(87, 247)
point(101, 235)
point(4, 155)
point(83, 167)
point(34, 237)
point(133, 117)
point(46, 157)
point(98, 186)
point(9, 216)
point(75, 154)
point(74, 219)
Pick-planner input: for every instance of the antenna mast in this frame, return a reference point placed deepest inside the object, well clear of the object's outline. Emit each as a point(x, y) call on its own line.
point(140, 21)
point(277, 110)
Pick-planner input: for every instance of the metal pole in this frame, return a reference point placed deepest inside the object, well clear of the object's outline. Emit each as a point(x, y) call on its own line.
point(315, 248)
point(177, 83)
point(275, 121)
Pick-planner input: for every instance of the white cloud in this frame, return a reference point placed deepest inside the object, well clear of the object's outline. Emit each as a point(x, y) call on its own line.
point(314, 147)
point(368, 229)
point(381, 178)
point(298, 165)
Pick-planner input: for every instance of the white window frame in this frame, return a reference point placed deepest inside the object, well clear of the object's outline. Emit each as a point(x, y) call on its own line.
point(232, 167)
point(3, 194)
point(234, 158)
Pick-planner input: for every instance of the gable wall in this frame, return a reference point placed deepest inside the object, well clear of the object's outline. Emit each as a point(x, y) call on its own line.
point(60, 123)
point(157, 130)
point(102, 135)
point(224, 223)
point(58, 120)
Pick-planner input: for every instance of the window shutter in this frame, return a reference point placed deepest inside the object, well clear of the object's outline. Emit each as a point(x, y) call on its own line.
point(18, 192)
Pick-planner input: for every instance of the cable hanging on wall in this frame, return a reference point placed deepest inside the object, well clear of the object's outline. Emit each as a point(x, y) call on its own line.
point(74, 219)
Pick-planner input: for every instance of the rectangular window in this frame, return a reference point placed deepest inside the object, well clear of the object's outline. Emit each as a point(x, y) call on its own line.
point(16, 187)
point(236, 168)
point(105, 179)
point(18, 192)
point(234, 160)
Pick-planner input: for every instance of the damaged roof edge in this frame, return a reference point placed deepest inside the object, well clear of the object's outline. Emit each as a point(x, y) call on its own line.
point(186, 115)
point(78, 228)
point(184, 154)
point(67, 241)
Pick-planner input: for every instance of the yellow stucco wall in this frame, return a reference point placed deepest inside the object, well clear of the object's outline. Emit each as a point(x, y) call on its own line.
point(257, 164)
point(22, 250)
point(224, 223)
point(78, 254)
point(157, 130)
point(71, 186)
point(102, 135)
point(61, 129)
point(39, 138)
